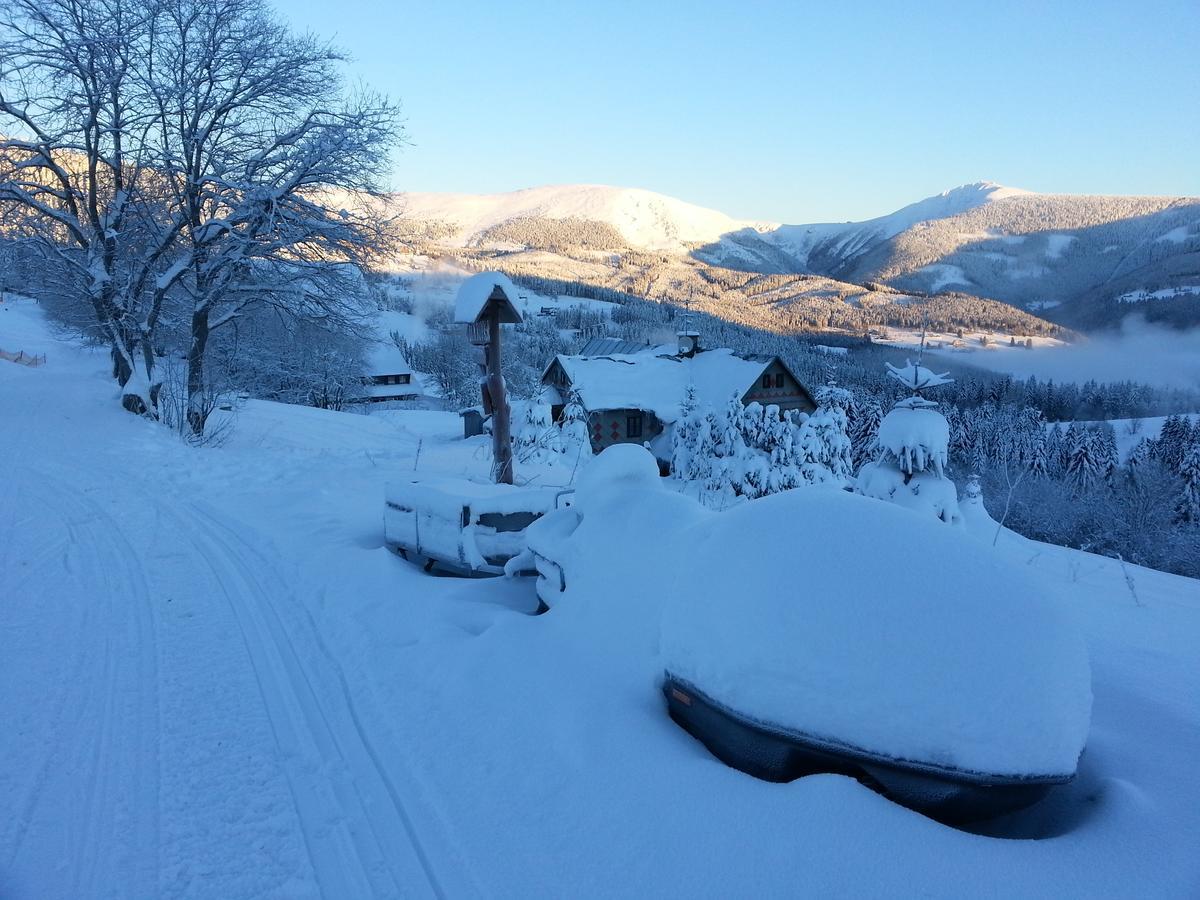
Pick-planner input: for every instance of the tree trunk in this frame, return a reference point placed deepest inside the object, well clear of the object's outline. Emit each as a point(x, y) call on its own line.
point(196, 414)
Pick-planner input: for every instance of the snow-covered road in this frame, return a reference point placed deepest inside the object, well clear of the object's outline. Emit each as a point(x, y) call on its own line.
point(174, 724)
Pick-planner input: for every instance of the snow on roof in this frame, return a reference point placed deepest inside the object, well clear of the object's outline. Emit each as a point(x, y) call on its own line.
point(475, 292)
point(606, 346)
point(917, 438)
point(385, 358)
point(656, 380)
point(884, 631)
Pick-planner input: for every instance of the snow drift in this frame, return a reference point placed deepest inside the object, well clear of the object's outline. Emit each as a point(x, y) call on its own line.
point(869, 627)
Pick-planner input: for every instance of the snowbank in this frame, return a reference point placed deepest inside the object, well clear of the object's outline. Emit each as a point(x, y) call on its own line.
point(863, 625)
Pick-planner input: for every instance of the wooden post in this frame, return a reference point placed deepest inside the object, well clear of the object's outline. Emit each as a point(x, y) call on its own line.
point(502, 461)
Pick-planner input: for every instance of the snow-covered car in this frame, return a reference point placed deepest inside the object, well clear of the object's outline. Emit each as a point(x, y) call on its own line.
point(821, 631)
point(818, 631)
point(617, 536)
point(453, 526)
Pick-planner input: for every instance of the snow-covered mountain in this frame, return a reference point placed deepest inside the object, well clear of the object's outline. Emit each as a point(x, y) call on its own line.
point(642, 218)
point(1077, 259)
point(821, 248)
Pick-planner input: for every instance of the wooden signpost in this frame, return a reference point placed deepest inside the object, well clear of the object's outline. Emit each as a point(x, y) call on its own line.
point(484, 305)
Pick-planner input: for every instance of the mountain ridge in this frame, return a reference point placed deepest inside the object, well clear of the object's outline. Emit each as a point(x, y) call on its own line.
point(1076, 258)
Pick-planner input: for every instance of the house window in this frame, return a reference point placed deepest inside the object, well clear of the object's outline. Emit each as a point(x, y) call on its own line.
point(633, 426)
point(779, 380)
point(767, 380)
point(403, 379)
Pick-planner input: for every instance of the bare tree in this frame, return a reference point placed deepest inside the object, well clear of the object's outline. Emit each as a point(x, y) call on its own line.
point(75, 174)
point(189, 159)
point(273, 164)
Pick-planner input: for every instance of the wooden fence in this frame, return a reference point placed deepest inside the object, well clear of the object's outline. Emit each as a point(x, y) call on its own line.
point(22, 358)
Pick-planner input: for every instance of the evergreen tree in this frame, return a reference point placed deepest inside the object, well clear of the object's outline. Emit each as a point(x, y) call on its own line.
point(1188, 508)
point(576, 439)
point(1086, 460)
point(1138, 457)
point(825, 448)
point(1054, 451)
point(684, 433)
point(1106, 446)
point(1173, 441)
point(864, 432)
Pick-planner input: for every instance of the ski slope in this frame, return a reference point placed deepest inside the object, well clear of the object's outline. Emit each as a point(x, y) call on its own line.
point(218, 683)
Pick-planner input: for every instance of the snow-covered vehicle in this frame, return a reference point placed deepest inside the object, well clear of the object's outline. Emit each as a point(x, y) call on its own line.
point(617, 535)
point(818, 631)
point(458, 527)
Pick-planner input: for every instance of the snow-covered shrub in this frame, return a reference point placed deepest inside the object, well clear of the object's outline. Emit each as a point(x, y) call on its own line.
point(575, 439)
point(914, 445)
point(536, 437)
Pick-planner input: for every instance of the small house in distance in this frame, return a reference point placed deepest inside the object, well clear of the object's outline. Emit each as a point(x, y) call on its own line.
point(632, 394)
point(389, 376)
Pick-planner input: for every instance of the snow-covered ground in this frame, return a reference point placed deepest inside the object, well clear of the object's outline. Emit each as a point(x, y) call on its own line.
point(998, 344)
point(218, 683)
point(1142, 294)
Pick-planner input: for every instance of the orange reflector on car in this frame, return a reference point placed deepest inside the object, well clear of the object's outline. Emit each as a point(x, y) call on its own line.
point(679, 695)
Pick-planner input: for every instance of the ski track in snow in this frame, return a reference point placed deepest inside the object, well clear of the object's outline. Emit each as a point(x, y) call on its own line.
point(113, 717)
point(333, 771)
point(191, 733)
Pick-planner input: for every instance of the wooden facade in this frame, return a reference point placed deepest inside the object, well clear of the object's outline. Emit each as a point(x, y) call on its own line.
point(777, 386)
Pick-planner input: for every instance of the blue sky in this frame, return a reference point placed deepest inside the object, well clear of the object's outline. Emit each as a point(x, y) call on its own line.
point(791, 112)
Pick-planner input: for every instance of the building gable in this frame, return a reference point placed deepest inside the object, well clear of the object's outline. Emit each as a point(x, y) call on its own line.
point(778, 386)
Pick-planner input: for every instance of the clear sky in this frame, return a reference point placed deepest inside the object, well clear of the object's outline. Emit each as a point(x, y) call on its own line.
point(792, 112)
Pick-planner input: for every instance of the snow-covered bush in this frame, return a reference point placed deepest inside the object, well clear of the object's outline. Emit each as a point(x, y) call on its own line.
point(574, 439)
point(914, 441)
point(536, 437)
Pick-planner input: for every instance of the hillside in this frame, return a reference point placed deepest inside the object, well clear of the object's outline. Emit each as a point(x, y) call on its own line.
point(652, 246)
point(218, 682)
point(1082, 261)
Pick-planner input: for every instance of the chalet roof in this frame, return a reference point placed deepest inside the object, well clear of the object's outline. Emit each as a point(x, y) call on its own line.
point(606, 346)
point(385, 358)
point(657, 379)
point(475, 293)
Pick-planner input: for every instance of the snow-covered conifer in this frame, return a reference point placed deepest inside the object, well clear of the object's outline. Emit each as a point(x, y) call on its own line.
point(1085, 459)
point(1188, 508)
point(576, 438)
point(914, 443)
point(864, 431)
point(683, 436)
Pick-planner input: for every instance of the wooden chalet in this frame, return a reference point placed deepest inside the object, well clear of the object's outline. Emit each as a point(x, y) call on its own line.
point(632, 393)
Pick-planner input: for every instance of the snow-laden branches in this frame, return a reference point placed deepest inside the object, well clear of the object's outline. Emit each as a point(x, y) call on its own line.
point(189, 159)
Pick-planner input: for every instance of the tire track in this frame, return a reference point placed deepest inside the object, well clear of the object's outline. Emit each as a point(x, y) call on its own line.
point(115, 824)
point(447, 871)
point(358, 845)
